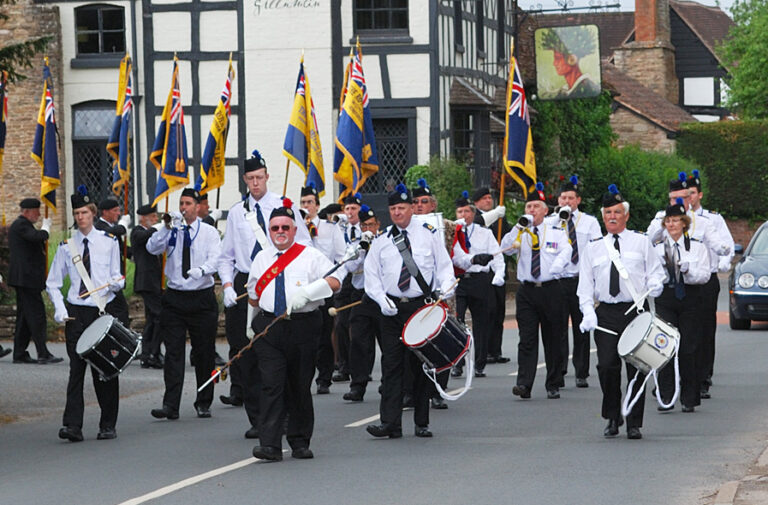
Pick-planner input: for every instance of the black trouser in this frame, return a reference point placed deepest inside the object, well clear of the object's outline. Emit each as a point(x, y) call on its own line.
point(30, 323)
point(611, 316)
point(474, 292)
point(539, 306)
point(498, 312)
point(286, 356)
point(343, 297)
point(120, 308)
point(150, 342)
point(709, 294)
point(684, 315)
point(325, 346)
point(244, 372)
point(365, 328)
point(395, 358)
point(107, 392)
point(580, 339)
point(195, 312)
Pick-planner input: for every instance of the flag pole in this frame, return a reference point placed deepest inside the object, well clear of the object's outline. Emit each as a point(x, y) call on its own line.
point(125, 209)
point(506, 139)
point(46, 244)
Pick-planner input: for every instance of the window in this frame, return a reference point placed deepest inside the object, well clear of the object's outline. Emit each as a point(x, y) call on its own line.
point(471, 142)
point(99, 30)
point(381, 15)
point(392, 144)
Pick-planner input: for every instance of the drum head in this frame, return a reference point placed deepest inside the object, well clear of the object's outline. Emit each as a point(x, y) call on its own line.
point(94, 333)
point(634, 333)
point(419, 328)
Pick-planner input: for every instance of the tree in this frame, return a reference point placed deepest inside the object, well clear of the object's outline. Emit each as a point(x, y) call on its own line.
point(18, 54)
point(744, 55)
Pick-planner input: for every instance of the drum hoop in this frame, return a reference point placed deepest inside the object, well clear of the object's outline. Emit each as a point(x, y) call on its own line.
point(431, 335)
point(93, 346)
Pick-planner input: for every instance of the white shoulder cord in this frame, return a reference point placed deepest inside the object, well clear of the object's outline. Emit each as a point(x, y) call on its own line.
point(77, 260)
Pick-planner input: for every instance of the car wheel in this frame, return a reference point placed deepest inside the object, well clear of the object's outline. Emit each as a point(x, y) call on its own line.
point(738, 324)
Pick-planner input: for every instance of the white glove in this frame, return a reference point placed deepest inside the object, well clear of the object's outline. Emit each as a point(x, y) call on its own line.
point(684, 266)
point(157, 226)
point(494, 215)
point(116, 285)
point(367, 236)
point(248, 320)
point(342, 218)
point(60, 315)
point(317, 290)
point(124, 221)
point(177, 219)
point(46, 226)
point(195, 273)
point(216, 214)
point(723, 250)
point(498, 281)
point(724, 264)
point(352, 252)
point(230, 297)
point(461, 221)
point(589, 322)
point(389, 311)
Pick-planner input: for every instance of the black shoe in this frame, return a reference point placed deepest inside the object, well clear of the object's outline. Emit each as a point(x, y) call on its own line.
point(302, 453)
point(502, 359)
point(5, 352)
point(612, 429)
point(267, 453)
point(164, 413)
point(145, 364)
point(457, 372)
point(581, 383)
point(25, 359)
point(633, 433)
point(665, 409)
point(50, 359)
point(231, 400)
point(106, 434)
point(422, 432)
point(218, 360)
point(253, 432)
point(688, 410)
point(480, 373)
point(381, 431)
point(491, 360)
point(340, 377)
point(438, 403)
point(203, 412)
point(71, 433)
point(157, 362)
point(408, 401)
point(322, 389)
point(705, 394)
point(521, 391)
point(553, 394)
point(354, 395)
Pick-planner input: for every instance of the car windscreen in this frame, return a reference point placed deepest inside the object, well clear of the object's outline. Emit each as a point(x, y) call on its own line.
point(760, 244)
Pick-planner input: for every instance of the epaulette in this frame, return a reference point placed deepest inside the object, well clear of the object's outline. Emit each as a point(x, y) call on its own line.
point(661, 241)
point(113, 237)
point(430, 227)
point(63, 242)
point(596, 239)
point(712, 212)
point(640, 232)
point(695, 240)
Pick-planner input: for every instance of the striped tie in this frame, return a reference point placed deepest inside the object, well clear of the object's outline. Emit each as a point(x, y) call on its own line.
point(86, 259)
point(404, 282)
point(574, 242)
point(536, 256)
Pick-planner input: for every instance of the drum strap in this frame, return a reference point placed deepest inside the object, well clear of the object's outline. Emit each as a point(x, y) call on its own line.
point(402, 247)
point(78, 262)
point(627, 405)
point(615, 258)
point(469, 359)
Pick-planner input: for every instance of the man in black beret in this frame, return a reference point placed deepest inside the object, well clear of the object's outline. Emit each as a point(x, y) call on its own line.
point(26, 274)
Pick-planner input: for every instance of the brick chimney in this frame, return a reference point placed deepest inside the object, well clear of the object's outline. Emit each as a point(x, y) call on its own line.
point(650, 58)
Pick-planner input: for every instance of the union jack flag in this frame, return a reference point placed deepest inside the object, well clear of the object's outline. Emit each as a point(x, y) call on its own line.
point(213, 161)
point(44, 148)
point(519, 160)
point(119, 143)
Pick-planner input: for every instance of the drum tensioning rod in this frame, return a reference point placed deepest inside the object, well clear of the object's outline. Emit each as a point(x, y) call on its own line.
point(333, 310)
point(217, 372)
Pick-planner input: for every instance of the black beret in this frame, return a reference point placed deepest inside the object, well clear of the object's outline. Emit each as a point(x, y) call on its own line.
point(680, 183)
point(676, 209)
point(479, 193)
point(309, 190)
point(355, 199)
point(422, 189)
point(694, 181)
point(203, 197)
point(30, 203)
point(332, 208)
point(612, 197)
point(537, 195)
point(399, 195)
point(284, 210)
point(255, 162)
point(463, 200)
point(366, 213)
point(108, 203)
point(571, 184)
point(192, 193)
point(146, 209)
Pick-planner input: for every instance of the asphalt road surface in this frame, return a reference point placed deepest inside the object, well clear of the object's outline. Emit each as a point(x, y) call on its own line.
point(489, 447)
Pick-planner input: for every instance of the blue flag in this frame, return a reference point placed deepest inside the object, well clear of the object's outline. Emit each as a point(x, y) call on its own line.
point(119, 143)
point(44, 150)
point(213, 161)
point(519, 159)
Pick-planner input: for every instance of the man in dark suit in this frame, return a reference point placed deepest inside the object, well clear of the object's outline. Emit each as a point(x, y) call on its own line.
point(112, 222)
point(147, 280)
point(27, 276)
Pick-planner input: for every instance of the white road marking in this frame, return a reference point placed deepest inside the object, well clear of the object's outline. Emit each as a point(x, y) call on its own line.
point(189, 482)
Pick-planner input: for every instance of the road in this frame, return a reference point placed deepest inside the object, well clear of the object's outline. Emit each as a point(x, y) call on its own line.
point(489, 447)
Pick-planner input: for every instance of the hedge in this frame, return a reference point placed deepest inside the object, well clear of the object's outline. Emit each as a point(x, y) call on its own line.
point(446, 177)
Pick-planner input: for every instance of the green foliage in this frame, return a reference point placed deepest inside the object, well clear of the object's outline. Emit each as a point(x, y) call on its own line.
point(744, 55)
point(446, 177)
point(19, 54)
point(567, 132)
point(641, 176)
point(732, 156)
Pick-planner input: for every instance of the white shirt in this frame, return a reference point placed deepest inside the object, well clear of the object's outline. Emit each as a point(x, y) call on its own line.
point(701, 229)
point(721, 263)
point(104, 255)
point(239, 238)
point(587, 228)
point(307, 267)
point(384, 262)
point(347, 231)
point(638, 257)
point(481, 241)
point(697, 259)
point(204, 253)
point(329, 239)
point(555, 252)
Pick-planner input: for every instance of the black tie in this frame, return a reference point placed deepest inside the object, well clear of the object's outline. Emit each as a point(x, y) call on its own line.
point(615, 288)
point(260, 220)
point(404, 281)
point(352, 234)
point(574, 242)
point(536, 255)
point(86, 258)
point(185, 260)
point(679, 284)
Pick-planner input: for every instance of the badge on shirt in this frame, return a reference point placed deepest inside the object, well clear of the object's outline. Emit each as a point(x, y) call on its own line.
point(550, 247)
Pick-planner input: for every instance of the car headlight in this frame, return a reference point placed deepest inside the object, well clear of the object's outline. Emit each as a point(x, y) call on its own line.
point(763, 281)
point(746, 280)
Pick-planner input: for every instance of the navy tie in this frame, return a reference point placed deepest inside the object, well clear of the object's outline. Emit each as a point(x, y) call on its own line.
point(260, 220)
point(86, 258)
point(404, 282)
point(185, 258)
point(536, 255)
point(280, 303)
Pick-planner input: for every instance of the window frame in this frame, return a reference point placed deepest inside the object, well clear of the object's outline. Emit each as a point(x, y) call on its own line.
point(100, 31)
point(387, 34)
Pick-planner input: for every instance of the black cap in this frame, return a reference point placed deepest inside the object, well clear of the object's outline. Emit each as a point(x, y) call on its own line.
point(422, 188)
point(537, 195)
point(255, 162)
point(463, 200)
point(203, 197)
point(30, 203)
point(80, 198)
point(612, 197)
point(192, 193)
point(355, 199)
point(694, 181)
point(399, 195)
point(309, 189)
point(285, 210)
point(680, 183)
point(108, 203)
point(572, 184)
point(332, 208)
point(479, 193)
point(676, 209)
point(365, 213)
point(146, 209)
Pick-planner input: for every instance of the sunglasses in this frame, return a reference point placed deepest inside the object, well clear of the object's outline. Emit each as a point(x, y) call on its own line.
point(284, 227)
point(423, 200)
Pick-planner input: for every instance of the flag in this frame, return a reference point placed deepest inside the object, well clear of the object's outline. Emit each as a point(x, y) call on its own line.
point(302, 141)
point(3, 114)
point(355, 157)
point(169, 153)
point(44, 150)
point(119, 143)
point(212, 164)
point(519, 160)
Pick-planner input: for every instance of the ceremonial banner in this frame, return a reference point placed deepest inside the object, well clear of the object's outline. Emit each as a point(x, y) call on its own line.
point(3, 114)
point(213, 161)
point(519, 159)
point(44, 150)
point(119, 143)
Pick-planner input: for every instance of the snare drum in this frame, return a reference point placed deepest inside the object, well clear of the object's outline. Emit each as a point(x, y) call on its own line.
point(436, 337)
point(108, 346)
point(648, 342)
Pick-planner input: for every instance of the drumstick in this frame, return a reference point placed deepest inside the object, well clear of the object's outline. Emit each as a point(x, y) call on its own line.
point(333, 310)
point(456, 281)
point(506, 249)
point(89, 293)
point(606, 330)
point(240, 297)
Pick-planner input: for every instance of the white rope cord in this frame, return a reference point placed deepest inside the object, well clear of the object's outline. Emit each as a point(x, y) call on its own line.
point(469, 357)
point(627, 405)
